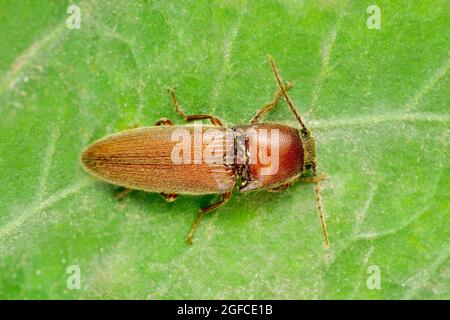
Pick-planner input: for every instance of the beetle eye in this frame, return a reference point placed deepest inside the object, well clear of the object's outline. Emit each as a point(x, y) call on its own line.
point(308, 166)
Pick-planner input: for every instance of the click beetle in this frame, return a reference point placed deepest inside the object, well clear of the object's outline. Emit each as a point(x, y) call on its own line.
point(211, 159)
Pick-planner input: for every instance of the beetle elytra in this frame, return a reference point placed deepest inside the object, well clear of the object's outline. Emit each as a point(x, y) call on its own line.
point(210, 159)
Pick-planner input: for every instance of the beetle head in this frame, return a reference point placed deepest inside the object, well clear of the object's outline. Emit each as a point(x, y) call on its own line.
point(309, 145)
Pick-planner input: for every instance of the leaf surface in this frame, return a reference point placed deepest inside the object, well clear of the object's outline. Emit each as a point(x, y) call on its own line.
point(376, 101)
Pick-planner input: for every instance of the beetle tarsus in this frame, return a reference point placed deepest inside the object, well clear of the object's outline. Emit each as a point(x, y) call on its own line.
point(193, 227)
point(225, 197)
point(271, 105)
point(188, 118)
point(119, 196)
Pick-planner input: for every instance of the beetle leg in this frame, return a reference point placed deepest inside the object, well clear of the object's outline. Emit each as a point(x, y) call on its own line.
point(170, 197)
point(311, 179)
point(164, 122)
point(268, 107)
point(300, 179)
point(280, 188)
point(225, 197)
point(119, 196)
point(214, 120)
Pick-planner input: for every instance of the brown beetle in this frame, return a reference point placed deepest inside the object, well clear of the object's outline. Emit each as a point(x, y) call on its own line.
point(159, 158)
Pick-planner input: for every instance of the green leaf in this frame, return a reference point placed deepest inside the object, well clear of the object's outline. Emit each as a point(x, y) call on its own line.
point(376, 101)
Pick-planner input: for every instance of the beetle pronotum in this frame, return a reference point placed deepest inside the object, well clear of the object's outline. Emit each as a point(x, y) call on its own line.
point(148, 158)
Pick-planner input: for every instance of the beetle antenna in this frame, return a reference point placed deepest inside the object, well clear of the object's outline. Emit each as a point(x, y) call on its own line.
point(286, 97)
point(314, 163)
point(319, 206)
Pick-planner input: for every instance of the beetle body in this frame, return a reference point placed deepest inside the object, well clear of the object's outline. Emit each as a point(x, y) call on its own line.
point(143, 159)
point(191, 159)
